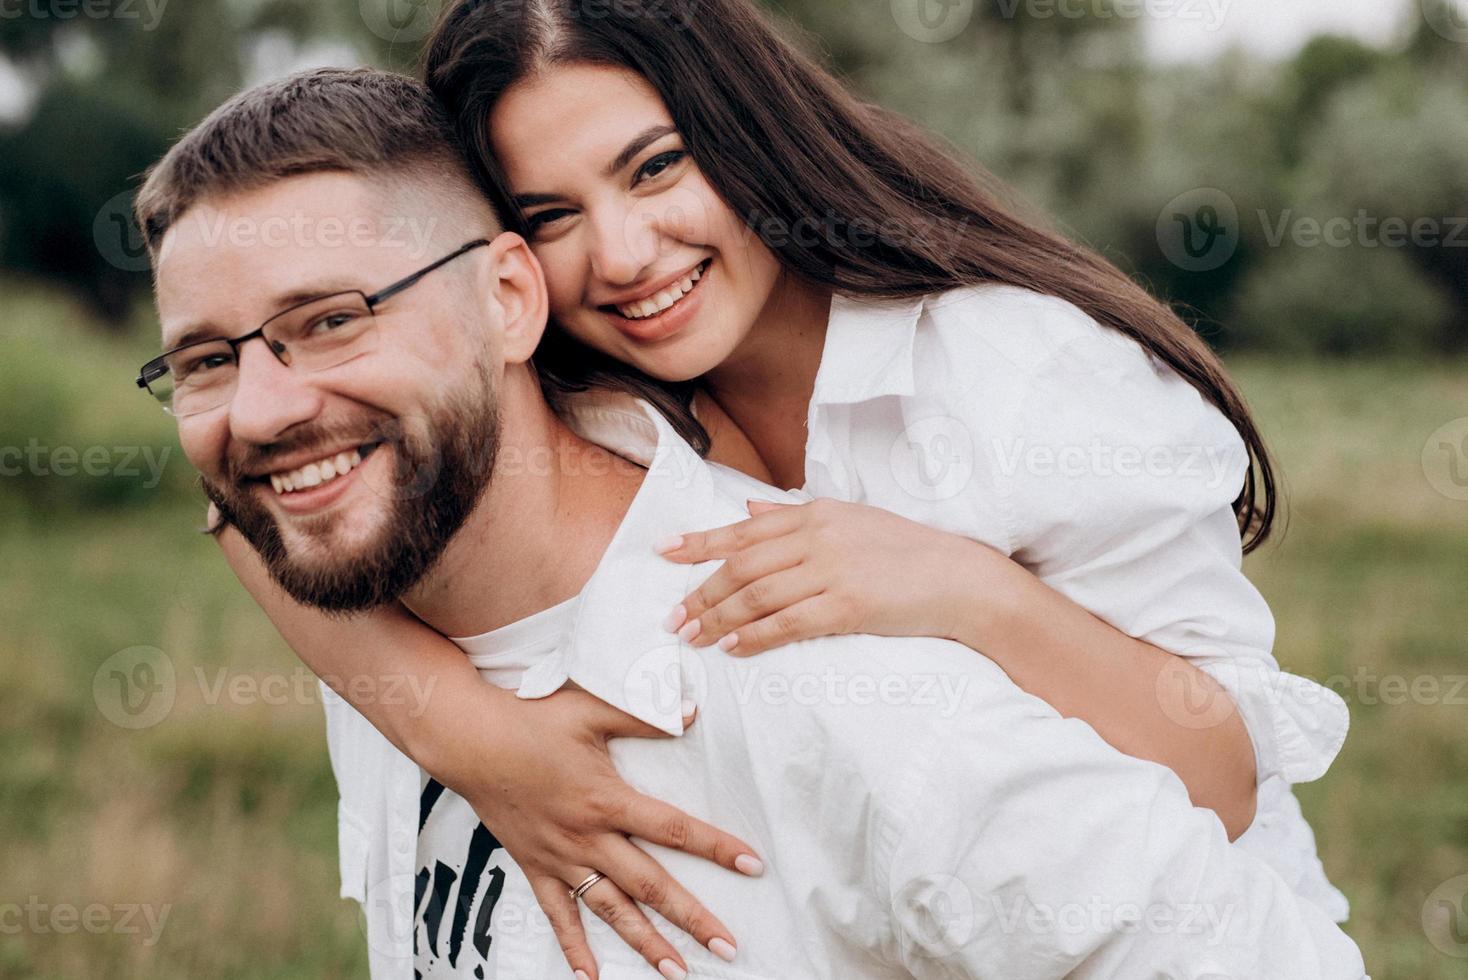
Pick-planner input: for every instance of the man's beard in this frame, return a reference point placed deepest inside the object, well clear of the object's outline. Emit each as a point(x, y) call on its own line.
point(438, 477)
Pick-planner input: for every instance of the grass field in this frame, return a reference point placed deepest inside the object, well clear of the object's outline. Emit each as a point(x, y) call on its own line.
point(202, 845)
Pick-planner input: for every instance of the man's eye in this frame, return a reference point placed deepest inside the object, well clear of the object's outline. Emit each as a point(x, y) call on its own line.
point(201, 364)
point(659, 165)
point(332, 323)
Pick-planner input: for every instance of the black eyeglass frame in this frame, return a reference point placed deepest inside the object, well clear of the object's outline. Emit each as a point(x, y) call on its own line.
point(158, 366)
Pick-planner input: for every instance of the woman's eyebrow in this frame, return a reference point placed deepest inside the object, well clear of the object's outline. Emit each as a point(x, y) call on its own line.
point(639, 143)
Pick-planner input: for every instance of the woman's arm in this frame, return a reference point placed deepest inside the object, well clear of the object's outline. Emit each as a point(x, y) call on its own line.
point(528, 768)
point(828, 567)
point(1145, 701)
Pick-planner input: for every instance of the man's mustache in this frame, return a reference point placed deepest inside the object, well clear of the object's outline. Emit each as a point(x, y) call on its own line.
point(249, 461)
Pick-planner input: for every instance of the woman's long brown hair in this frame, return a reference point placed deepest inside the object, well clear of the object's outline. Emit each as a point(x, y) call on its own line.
point(787, 146)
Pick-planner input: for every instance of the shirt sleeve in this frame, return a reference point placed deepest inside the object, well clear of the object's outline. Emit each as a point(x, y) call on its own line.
point(1077, 861)
point(1116, 483)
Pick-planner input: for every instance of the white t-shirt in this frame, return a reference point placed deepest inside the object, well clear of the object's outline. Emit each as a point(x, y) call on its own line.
point(462, 869)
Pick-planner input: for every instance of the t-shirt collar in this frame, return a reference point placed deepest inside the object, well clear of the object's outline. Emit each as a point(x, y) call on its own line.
point(618, 650)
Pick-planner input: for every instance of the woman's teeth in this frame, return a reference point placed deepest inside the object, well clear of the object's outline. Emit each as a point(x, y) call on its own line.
point(317, 473)
point(654, 305)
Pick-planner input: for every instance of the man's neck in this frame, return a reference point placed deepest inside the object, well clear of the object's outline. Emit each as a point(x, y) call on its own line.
point(539, 530)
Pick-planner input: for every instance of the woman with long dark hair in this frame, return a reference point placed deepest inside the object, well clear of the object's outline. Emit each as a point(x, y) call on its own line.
point(1014, 445)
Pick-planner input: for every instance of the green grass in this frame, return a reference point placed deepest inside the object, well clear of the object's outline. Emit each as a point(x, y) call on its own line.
point(225, 812)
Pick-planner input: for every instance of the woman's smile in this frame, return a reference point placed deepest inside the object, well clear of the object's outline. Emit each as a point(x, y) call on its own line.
point(650, 315)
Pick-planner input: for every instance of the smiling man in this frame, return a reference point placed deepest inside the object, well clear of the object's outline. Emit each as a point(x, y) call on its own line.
point(367, 417)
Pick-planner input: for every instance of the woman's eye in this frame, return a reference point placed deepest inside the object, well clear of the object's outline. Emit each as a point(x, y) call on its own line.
point(658, 165)
point(544, 219)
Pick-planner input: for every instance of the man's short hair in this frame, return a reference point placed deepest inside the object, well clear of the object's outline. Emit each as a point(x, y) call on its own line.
point(360, 121)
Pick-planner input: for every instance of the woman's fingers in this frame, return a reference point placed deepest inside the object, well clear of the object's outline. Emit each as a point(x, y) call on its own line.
point(657, 822)
point(819, 615)
point(565, 918)
point(722, 542)
point(748, 566)
point(612, 906)
point(759, 599)
point(645, 880)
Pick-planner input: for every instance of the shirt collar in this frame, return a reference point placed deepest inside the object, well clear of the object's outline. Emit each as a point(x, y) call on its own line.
point(868, 350)
point(618, 650)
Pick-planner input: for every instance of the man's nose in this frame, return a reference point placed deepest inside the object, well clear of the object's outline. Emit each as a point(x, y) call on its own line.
point(269, 397)
point(624, 245)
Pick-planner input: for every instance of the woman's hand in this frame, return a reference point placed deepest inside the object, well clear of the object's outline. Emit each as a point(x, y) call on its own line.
point(552, 797)
point(793, 572)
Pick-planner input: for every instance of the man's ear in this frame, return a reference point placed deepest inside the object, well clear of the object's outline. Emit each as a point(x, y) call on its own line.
point(519, 286)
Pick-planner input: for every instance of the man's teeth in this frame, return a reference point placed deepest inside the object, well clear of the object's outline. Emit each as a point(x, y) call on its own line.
point(654, 305)
point(317, 473)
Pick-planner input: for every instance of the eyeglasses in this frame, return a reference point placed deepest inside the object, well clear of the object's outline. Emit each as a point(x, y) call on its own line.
point(312, 336)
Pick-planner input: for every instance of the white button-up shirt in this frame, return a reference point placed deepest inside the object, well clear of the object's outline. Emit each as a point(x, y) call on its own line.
point(919, 815)
point(1014, 419)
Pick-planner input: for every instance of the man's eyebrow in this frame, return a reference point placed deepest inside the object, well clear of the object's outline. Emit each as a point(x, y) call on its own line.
point(280, 304)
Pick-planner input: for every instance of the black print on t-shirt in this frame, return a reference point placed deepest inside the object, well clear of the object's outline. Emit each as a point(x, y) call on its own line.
point(441, 913)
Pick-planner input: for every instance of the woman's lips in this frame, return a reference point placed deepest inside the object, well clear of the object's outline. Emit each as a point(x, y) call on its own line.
point(667, 323)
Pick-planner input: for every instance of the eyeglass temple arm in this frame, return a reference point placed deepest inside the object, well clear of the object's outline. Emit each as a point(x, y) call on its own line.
point(402, 284)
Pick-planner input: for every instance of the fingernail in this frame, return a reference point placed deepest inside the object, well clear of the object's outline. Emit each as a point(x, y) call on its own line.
point(722, 948)
point(675, 619)
point(672, 970)
point(748, 864)
point(581, 975)
point(728, 643)
point(689, 707)
point(668, 544)
point(690, 631)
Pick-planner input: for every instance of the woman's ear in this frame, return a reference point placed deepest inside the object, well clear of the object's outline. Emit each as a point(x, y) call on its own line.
point(519, 286)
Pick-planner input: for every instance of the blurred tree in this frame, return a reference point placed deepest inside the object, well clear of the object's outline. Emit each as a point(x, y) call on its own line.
point(110, 93)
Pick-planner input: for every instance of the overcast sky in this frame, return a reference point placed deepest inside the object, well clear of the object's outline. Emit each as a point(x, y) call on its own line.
point(1273, 28)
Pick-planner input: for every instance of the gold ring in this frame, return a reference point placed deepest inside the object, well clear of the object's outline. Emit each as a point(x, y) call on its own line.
point(582, 888)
